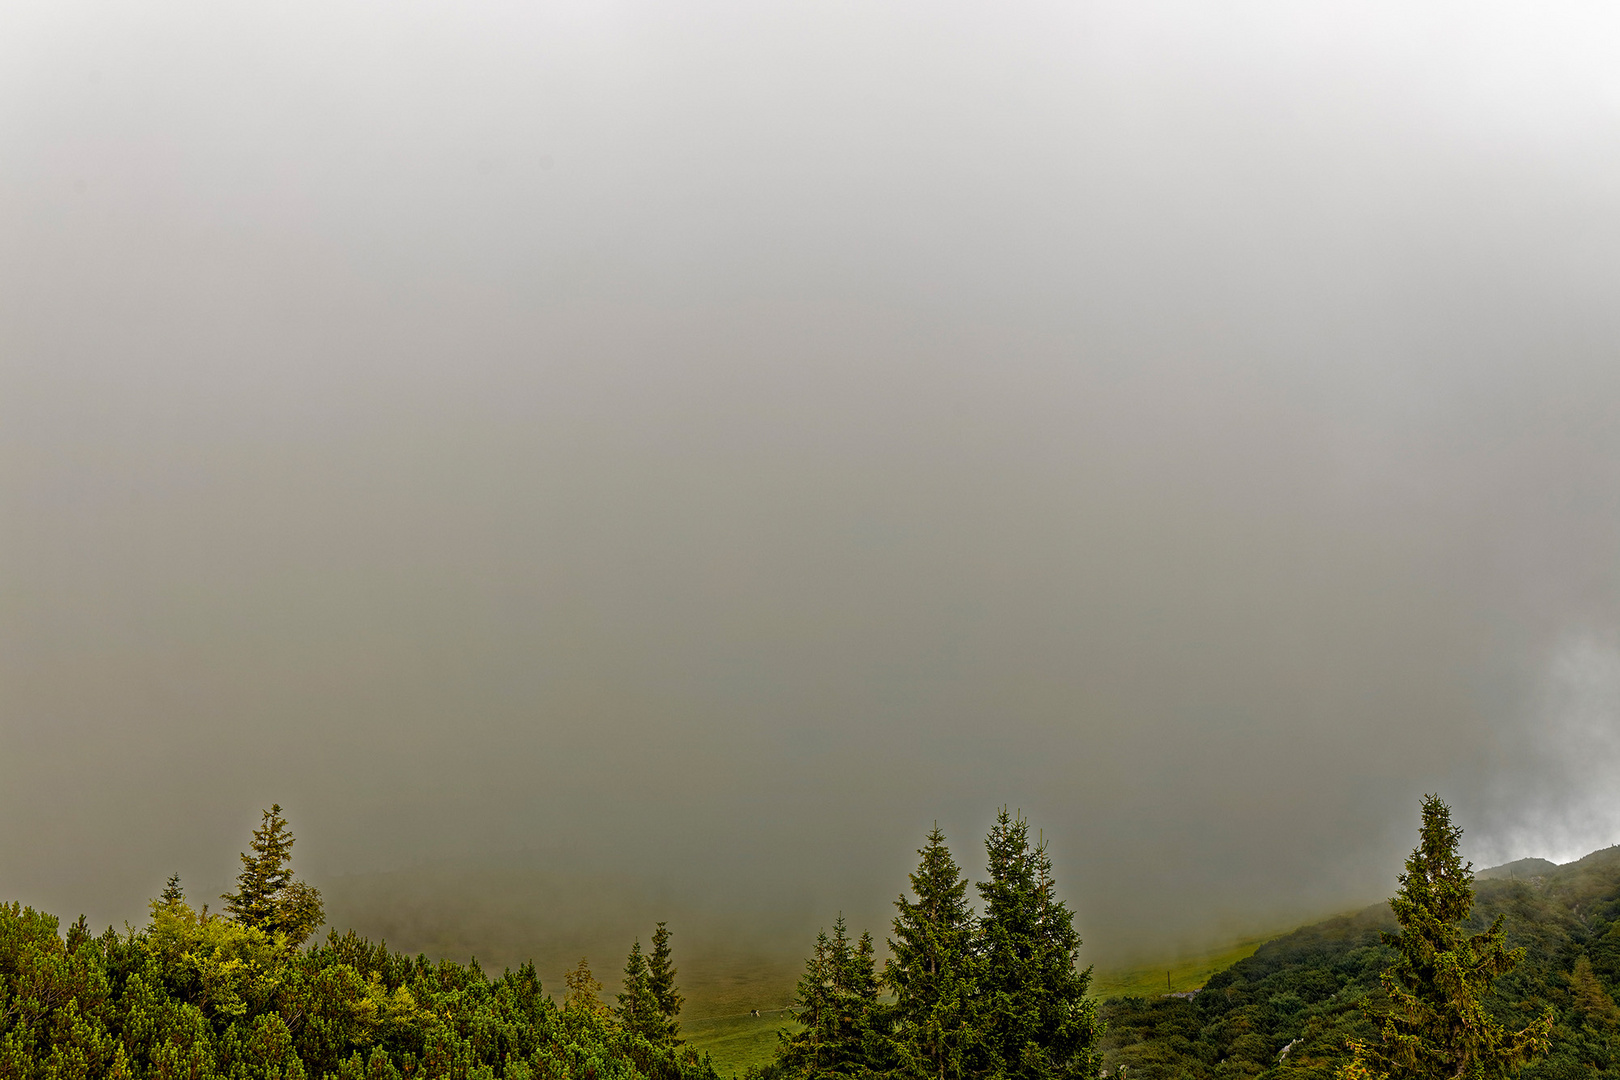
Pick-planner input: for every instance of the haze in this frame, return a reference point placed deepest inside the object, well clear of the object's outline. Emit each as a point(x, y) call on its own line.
point(708, 444)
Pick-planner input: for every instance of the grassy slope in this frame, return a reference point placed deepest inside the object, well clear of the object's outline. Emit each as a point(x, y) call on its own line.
point(1304, 991)
point(734, 1043)
point(736, 1040)
point(720, 995)
point(505, 915)
point(1188, 972)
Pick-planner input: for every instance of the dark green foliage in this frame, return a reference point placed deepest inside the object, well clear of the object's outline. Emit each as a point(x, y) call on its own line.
point(836, 1000)
point(997, 997)
point(1311, 989)
point(661, 981)
point(1304, 989)
point(1435, 1022)
point(931, 970)
point(267, 896)
point(861, 1014)
point(172, 892)
point(804, 1052)
point(1034, 1018)
point(638, 1005)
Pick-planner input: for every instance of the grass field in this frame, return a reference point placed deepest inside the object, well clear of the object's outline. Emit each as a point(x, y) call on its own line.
point(1152, 979)
point(730, 962)
point(734, 1042)
point(721, 994)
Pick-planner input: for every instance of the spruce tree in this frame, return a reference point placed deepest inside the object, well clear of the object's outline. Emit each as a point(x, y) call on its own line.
point(1070, 1028)
point(1436, 1023)
point(661, 980)
point(172, 893)
point(836, 1001)
point(638, 1006)
point(267, 895)
point(1034, 1019)
point(854, 993)
point(801, 1053)
point(868, 1036)
point(931, 970)
point(863, 978)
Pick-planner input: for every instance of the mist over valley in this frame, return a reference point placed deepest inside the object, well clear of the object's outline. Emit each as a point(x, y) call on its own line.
point(601, 464)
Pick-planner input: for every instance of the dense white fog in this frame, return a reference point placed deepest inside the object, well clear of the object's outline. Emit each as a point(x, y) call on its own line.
point(709, 443)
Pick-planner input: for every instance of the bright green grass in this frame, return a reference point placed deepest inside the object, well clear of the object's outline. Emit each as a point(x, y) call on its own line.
point(1185, 972)
point(505, 915)
point(734, 1043)
point(721, 991)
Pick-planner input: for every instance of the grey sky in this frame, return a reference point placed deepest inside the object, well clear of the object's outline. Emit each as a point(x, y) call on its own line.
point(716, 441)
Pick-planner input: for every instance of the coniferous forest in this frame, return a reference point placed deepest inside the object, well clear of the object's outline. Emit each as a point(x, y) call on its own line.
point(996, 995)
point(196, 995)
point(1515, 974)
point(1508, 976)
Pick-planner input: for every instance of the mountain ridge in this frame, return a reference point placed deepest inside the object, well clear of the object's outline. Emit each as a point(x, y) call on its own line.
point(1290, 1008)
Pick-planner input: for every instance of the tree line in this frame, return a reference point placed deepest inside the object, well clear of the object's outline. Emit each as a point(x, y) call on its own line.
point(988, 993)
point(1450, 979)
point(195, 995)
point(995, 994)
point(999, 995)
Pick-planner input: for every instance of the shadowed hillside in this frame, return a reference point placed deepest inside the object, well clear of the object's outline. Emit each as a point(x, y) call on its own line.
point(1289, 1009)
point(1520, 868)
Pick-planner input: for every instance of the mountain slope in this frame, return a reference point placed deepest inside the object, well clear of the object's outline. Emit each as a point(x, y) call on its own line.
point(1521, 868)
point(1289, 1009)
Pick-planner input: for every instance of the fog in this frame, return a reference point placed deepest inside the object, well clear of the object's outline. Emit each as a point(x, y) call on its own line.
point(702, 446)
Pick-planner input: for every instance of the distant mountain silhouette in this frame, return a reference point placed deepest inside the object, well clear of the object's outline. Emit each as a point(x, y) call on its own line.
point(1519, 868)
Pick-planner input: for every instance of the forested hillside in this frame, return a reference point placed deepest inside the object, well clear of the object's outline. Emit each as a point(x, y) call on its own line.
point(994, 993)
point(964, 993)
point(1290, 1009)
point(205, 996)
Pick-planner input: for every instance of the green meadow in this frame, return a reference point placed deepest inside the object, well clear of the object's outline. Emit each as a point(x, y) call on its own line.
point(1174, 974)
point(722, 994)
point(729, 965)
point(718, 1019)
point(734, 1043)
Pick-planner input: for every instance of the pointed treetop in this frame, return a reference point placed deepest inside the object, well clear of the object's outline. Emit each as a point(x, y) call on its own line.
point(1434, 1022)
point(267, 896)
point(661, 981)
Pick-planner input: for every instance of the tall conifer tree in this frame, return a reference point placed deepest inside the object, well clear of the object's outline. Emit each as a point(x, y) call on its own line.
point(267, 895)
point(638, 1005)
point(863, 1022)
point(836, 1000)
point(930, 969)
point(1436, 1023)
point(1033, 1014)
point(661, 980)
point(1070, 1028)
point(802, 1052)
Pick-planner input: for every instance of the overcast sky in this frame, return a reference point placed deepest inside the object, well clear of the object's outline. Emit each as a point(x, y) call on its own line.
point(718, 440)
